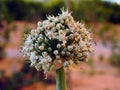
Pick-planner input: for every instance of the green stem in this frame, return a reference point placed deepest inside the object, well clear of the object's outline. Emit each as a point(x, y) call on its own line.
point(60, 79)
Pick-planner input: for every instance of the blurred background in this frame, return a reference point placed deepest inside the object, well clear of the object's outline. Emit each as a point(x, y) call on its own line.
point(102, 71)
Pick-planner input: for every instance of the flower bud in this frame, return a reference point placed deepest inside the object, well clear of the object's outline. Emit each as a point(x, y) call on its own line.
point(58, 46)
point(55, 52)
point(70, 48)
point(41, 48)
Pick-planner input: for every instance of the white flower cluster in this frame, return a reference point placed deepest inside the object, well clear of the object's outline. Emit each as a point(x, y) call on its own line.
point(56, 42)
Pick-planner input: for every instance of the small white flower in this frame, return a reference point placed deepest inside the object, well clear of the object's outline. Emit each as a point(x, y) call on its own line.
point(62, 21)
point(79, 55)
point(56, 19)
point(67, 30)
point(53, 29)
point(58, 46)
point(50, 34)
point(38, 66)
point(49, 58)
point(37, 32)
point(85, 54)
point(36, 57)
point(46, 40)
point(61, 32)
point(63, 52)
point(52, 24)
point(91, 49)
point(50, 17)
point(45, 22)
point(29, 42)
point(58, 26)
point(41, 48)
point(63, 16)
point(62, 37)
point(55, 52)
point(84, 48)
point(32, 56)
point(65, 63)
point(70, 48)
point(49, 49)
point(64, 42)
point(33, 32)
point(68, 53)
point(44, 54)
point(63, 27)
point(71, 36)
point(39, 24)
point(81, 44)
point(40, 39)
point(28, 54)
point(33, 64)
point(70, 62)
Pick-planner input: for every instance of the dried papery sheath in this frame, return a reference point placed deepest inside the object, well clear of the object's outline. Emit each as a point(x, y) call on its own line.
point(57, 42)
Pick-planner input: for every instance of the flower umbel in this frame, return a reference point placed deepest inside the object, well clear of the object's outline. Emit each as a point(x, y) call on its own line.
point(57, 42)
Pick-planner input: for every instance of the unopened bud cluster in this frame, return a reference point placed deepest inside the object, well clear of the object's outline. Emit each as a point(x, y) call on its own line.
point(56, 42)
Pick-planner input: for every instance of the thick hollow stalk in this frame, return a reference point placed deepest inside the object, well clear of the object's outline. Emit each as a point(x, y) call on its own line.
point(60, 79)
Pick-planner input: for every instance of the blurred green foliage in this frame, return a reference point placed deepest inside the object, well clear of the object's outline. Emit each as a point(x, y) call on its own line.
point(115, 56)
point(97, 10)
point(26, 76)
point(115, 60)
point(27, 10)
point(89, 10)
